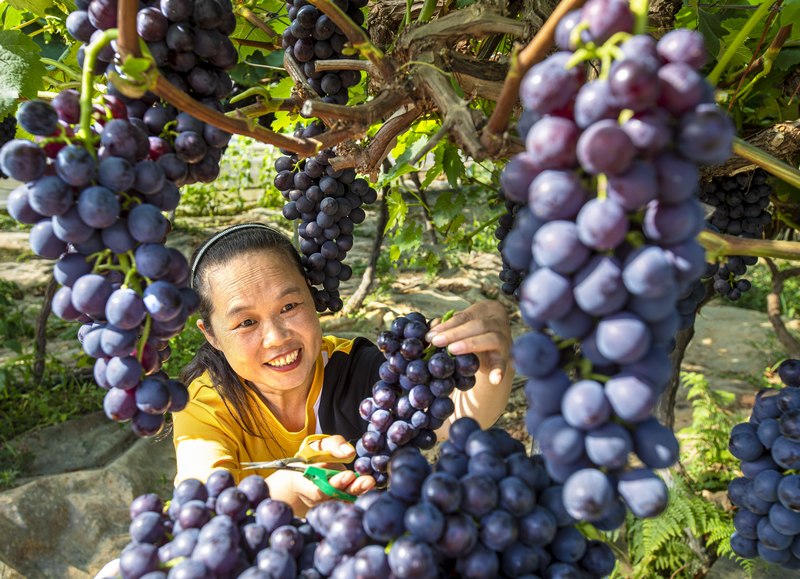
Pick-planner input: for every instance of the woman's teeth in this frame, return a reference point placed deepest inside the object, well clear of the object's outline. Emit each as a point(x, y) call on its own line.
point(285, 360)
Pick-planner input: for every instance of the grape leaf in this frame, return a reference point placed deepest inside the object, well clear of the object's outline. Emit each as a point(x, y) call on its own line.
point(790, 14)
point(449, 206)
point(397, 208)
point(21, 71)
point(788, 59)
point(710, 27)
point(11, 17)
point(38, 7)
point(453, 165)
point(407, 240)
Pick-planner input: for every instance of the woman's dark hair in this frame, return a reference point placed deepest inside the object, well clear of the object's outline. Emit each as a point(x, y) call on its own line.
point(222, 248)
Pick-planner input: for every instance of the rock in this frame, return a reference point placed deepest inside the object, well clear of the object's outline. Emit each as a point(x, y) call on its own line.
point(71, 525)
point(86, 442)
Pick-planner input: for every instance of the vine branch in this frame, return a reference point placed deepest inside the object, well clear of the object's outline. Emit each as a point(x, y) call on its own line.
point(254, 19)
point(781, 170)
point(719, 244)
point(345, 64)
point(367, 113)
point(787, 340)
point(491, 137)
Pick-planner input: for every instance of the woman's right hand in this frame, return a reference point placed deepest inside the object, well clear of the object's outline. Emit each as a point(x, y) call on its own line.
point(302, 494)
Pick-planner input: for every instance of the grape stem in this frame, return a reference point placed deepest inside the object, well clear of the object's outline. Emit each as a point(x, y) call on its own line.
point(640, 9)
point(357, 37)
point(148, 323)
point(87, 84)
point(718, 245)
point(536, 50)
point(428, 8)
point(738, 42)
point(781, 170)
point(256, 44)
point(71, 73)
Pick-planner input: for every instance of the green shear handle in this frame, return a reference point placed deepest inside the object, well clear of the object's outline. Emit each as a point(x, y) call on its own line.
point(320, 477)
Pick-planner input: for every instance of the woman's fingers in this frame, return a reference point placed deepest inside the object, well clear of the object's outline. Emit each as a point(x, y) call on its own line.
point(444, 338)
point(361, 485)
point(337, 446)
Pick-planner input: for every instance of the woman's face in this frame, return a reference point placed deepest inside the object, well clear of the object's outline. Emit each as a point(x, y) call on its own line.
point(264, 321)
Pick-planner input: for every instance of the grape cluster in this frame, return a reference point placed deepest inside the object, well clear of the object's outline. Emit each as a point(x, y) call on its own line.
point(328, 204)
point(189, 42)
point(486, 509)
point(101, 219)
point(510, 277)
point(8, 129)
point(412, 398)
point(607, 241)
point(740, 208)
point(313, 36)
point(767, 521)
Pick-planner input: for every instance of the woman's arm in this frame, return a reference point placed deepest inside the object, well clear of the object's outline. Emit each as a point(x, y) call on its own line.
point(483, 329)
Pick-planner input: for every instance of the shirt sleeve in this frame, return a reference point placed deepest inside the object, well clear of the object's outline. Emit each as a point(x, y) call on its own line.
point(202, 445)
point(349, 377)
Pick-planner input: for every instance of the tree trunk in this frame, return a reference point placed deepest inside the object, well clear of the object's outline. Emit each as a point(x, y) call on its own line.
point(790, 344)
point(357, 299)
point(665, 409)
point(41, 331)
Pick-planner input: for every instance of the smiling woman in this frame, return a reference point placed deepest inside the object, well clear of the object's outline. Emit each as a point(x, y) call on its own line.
point(267, 378)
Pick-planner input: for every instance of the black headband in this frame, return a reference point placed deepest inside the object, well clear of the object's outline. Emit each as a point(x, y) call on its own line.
point(225, 233)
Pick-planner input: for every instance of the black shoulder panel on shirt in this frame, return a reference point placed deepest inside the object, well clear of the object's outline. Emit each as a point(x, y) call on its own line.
point(349, 378)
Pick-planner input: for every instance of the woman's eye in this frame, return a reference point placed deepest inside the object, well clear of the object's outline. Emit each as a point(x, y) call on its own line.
point(246, 323)
point(289, 307)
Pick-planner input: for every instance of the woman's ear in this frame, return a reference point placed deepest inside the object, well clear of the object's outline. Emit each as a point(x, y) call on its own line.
point(207, 333)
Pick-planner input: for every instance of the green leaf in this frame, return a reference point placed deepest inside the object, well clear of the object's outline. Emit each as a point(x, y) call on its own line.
point(397, 209)
point(709, 25)
point(407, 240)
point(448, 207)
point(453, 165)
point(14, 345)
point(790, 14)
point(38, 7)
point(686, 18)
point(11, 17)
point(787, 59)
point(21, 71)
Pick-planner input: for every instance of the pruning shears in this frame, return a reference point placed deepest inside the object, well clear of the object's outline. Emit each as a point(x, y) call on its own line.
point(308, 455)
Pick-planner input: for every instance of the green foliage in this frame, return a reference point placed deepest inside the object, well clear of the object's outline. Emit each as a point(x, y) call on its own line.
point(756, 297)
point(20, 69)
point(681, 542)
point(184, 346)
point(760, 96)
point(705, 455)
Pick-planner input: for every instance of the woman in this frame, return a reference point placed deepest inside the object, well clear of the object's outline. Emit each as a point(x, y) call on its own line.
point(267, 377)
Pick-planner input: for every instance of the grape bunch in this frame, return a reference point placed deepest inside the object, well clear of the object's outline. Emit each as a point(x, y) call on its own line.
point(313, 36)
point(510, 277)
point(328, 204)
point(767, 521)
point(412, 398)
point(486, 508)
point(609, 176)
point(189, 42)
point(101, 219)
point(8, 129)
point(740, 208)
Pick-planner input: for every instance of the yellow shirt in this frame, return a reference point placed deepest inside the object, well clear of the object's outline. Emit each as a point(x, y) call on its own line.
point(208, 435)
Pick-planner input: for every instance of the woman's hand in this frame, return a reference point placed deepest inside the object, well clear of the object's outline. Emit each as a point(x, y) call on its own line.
point(483, 329)
point(302, 494)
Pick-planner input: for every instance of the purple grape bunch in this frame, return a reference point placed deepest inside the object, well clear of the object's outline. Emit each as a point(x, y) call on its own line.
point(607, 240)
point(740, 208)
point(767, 497)
point(313, 36)
point(8, 129)
point(101, 218)
point(328, 203)
point(485, 509)
point(412, 398)
point(188, 40)
point(511, 278)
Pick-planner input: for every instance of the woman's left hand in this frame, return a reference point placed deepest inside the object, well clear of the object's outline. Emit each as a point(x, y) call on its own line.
point(482, 329)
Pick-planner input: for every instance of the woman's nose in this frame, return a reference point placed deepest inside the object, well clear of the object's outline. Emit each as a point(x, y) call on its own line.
point(275, 333)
